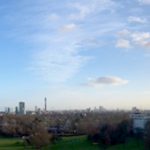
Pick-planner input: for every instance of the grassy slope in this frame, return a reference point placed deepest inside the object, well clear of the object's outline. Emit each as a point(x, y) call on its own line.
point(70, 143)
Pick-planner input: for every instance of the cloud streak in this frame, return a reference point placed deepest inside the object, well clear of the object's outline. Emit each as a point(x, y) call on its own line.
point(135, 19)
point(107, 80)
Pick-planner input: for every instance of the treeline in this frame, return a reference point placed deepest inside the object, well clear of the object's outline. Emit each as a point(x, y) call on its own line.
point(75, 122)
point(105, 128)
point(82, 122)
point(111, 134)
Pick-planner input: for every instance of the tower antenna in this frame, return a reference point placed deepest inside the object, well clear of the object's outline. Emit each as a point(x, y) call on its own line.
point(45, 101)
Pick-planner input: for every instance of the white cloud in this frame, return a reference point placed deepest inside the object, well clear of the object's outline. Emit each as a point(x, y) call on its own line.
point(132, 39)
point(144, 1)
point(107, 80)
point(141, 38)
point(69, 27)
point(135, 19)
point(123, 43)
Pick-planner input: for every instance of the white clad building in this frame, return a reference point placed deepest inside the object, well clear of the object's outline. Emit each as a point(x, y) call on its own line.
point(139, 120)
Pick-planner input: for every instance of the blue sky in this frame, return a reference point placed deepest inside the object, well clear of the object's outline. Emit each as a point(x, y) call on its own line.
point(78, 54)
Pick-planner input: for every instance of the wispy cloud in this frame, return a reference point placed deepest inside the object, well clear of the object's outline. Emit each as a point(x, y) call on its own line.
point(57, 65)
point(135, 19)
point(61, 34)
point(68, 27)
point(84, 9)
point(124, 33)
point(107, 80)
point(62, 57)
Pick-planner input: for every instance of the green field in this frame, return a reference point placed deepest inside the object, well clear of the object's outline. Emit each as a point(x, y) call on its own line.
point(80, 143)
point(10, 144)
point(70, 143)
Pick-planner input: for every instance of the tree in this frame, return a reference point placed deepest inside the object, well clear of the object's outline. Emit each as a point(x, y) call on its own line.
point(105, 135)
point(39, 136)
point(121, 132)
point(111, 134)
point(147, 136)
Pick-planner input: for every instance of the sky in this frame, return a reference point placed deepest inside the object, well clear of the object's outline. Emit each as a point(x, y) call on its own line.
point(77, 53)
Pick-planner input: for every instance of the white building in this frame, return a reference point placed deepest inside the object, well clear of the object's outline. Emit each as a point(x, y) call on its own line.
point(139, 120)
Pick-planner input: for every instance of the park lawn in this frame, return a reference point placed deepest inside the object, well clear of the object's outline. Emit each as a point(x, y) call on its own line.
point(70, 143)
point(74, 143)
point(11, 144)
point(81, 143)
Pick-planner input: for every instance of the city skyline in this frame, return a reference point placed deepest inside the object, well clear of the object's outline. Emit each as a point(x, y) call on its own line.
point(78, 54)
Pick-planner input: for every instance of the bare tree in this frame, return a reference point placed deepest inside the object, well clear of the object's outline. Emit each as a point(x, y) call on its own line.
point(39, 135)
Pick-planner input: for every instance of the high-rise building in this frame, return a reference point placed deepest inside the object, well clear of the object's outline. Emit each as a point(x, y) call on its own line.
point(21, 108)
point(16, 110)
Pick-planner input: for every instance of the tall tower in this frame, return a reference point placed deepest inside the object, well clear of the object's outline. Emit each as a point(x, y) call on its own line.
point(45, 101)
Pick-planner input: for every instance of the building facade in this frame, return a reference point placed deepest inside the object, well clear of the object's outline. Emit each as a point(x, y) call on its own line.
point(140, 120)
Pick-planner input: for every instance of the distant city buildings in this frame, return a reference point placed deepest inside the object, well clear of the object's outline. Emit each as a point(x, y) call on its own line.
point(7, 110)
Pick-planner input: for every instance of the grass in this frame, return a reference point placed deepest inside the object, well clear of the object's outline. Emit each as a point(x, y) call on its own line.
point(80, 143)
point(11, 144)
point(132, 144)
point(70, 143)
point(74, 143)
